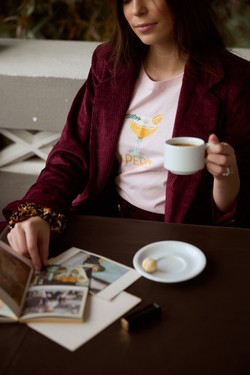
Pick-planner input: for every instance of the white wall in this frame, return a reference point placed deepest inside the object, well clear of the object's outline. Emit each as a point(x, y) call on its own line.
point(40, 79)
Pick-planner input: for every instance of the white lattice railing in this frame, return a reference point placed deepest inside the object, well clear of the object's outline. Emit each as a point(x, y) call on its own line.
point(39, 79)
point(26, 151)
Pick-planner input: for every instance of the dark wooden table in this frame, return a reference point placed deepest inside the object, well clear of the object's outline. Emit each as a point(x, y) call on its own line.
point(205, 326)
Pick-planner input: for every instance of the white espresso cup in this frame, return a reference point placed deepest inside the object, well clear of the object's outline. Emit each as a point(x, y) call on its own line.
point(184, 155)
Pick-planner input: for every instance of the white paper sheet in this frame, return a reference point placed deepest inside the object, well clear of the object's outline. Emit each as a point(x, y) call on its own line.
point(99, 315)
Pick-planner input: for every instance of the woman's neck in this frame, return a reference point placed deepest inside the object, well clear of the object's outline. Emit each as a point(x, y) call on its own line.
point(161, 65)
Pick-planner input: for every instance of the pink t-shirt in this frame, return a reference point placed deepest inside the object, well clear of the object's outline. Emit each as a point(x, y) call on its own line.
point(149, 122)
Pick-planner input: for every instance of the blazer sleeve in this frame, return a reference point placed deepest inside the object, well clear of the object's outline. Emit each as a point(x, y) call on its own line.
point(67, 167)
point(235, 129)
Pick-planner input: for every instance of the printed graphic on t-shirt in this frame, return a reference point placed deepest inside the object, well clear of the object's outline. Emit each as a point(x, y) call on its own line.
point(142, 127)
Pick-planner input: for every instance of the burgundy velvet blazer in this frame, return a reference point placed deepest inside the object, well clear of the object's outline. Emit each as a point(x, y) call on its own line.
point(80, 169)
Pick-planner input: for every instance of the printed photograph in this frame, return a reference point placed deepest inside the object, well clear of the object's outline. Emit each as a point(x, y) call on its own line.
point(66, 303)
point(104, 272)
point(60, 275)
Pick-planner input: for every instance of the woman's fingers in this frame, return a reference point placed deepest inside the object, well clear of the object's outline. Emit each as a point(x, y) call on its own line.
point(31, 238)
point(221, 160)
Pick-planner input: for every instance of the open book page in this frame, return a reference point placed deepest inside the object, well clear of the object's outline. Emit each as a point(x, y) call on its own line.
point(16, 272)
point(108, 278)
point(6, 315)
point(57, 292)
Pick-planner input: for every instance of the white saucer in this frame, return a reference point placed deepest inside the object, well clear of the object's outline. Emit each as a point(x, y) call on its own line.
point(176, 261)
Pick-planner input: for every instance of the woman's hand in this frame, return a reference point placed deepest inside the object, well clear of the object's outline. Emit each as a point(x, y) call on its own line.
point(222, 164)
point(31, 238)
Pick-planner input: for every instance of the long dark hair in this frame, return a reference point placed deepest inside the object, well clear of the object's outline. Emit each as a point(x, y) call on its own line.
point(196, 31)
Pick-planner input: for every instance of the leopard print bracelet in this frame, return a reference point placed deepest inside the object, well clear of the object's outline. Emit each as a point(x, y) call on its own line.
point(56, 221)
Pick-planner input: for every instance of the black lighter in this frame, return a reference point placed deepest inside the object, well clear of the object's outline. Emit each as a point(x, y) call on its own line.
point(141, 318)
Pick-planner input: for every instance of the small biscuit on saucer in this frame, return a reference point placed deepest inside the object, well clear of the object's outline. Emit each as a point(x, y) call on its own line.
point(149, 265)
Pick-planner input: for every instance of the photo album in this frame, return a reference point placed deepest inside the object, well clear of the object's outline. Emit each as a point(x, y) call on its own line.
point(57, 293)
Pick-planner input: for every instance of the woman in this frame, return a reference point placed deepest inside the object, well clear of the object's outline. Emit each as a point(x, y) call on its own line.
point(165, 73)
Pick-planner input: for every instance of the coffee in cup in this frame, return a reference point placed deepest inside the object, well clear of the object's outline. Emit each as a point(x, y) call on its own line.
point(184, 155)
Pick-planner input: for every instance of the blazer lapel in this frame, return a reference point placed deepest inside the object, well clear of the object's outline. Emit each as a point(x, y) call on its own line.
point(112, 99)
point(197, 116)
